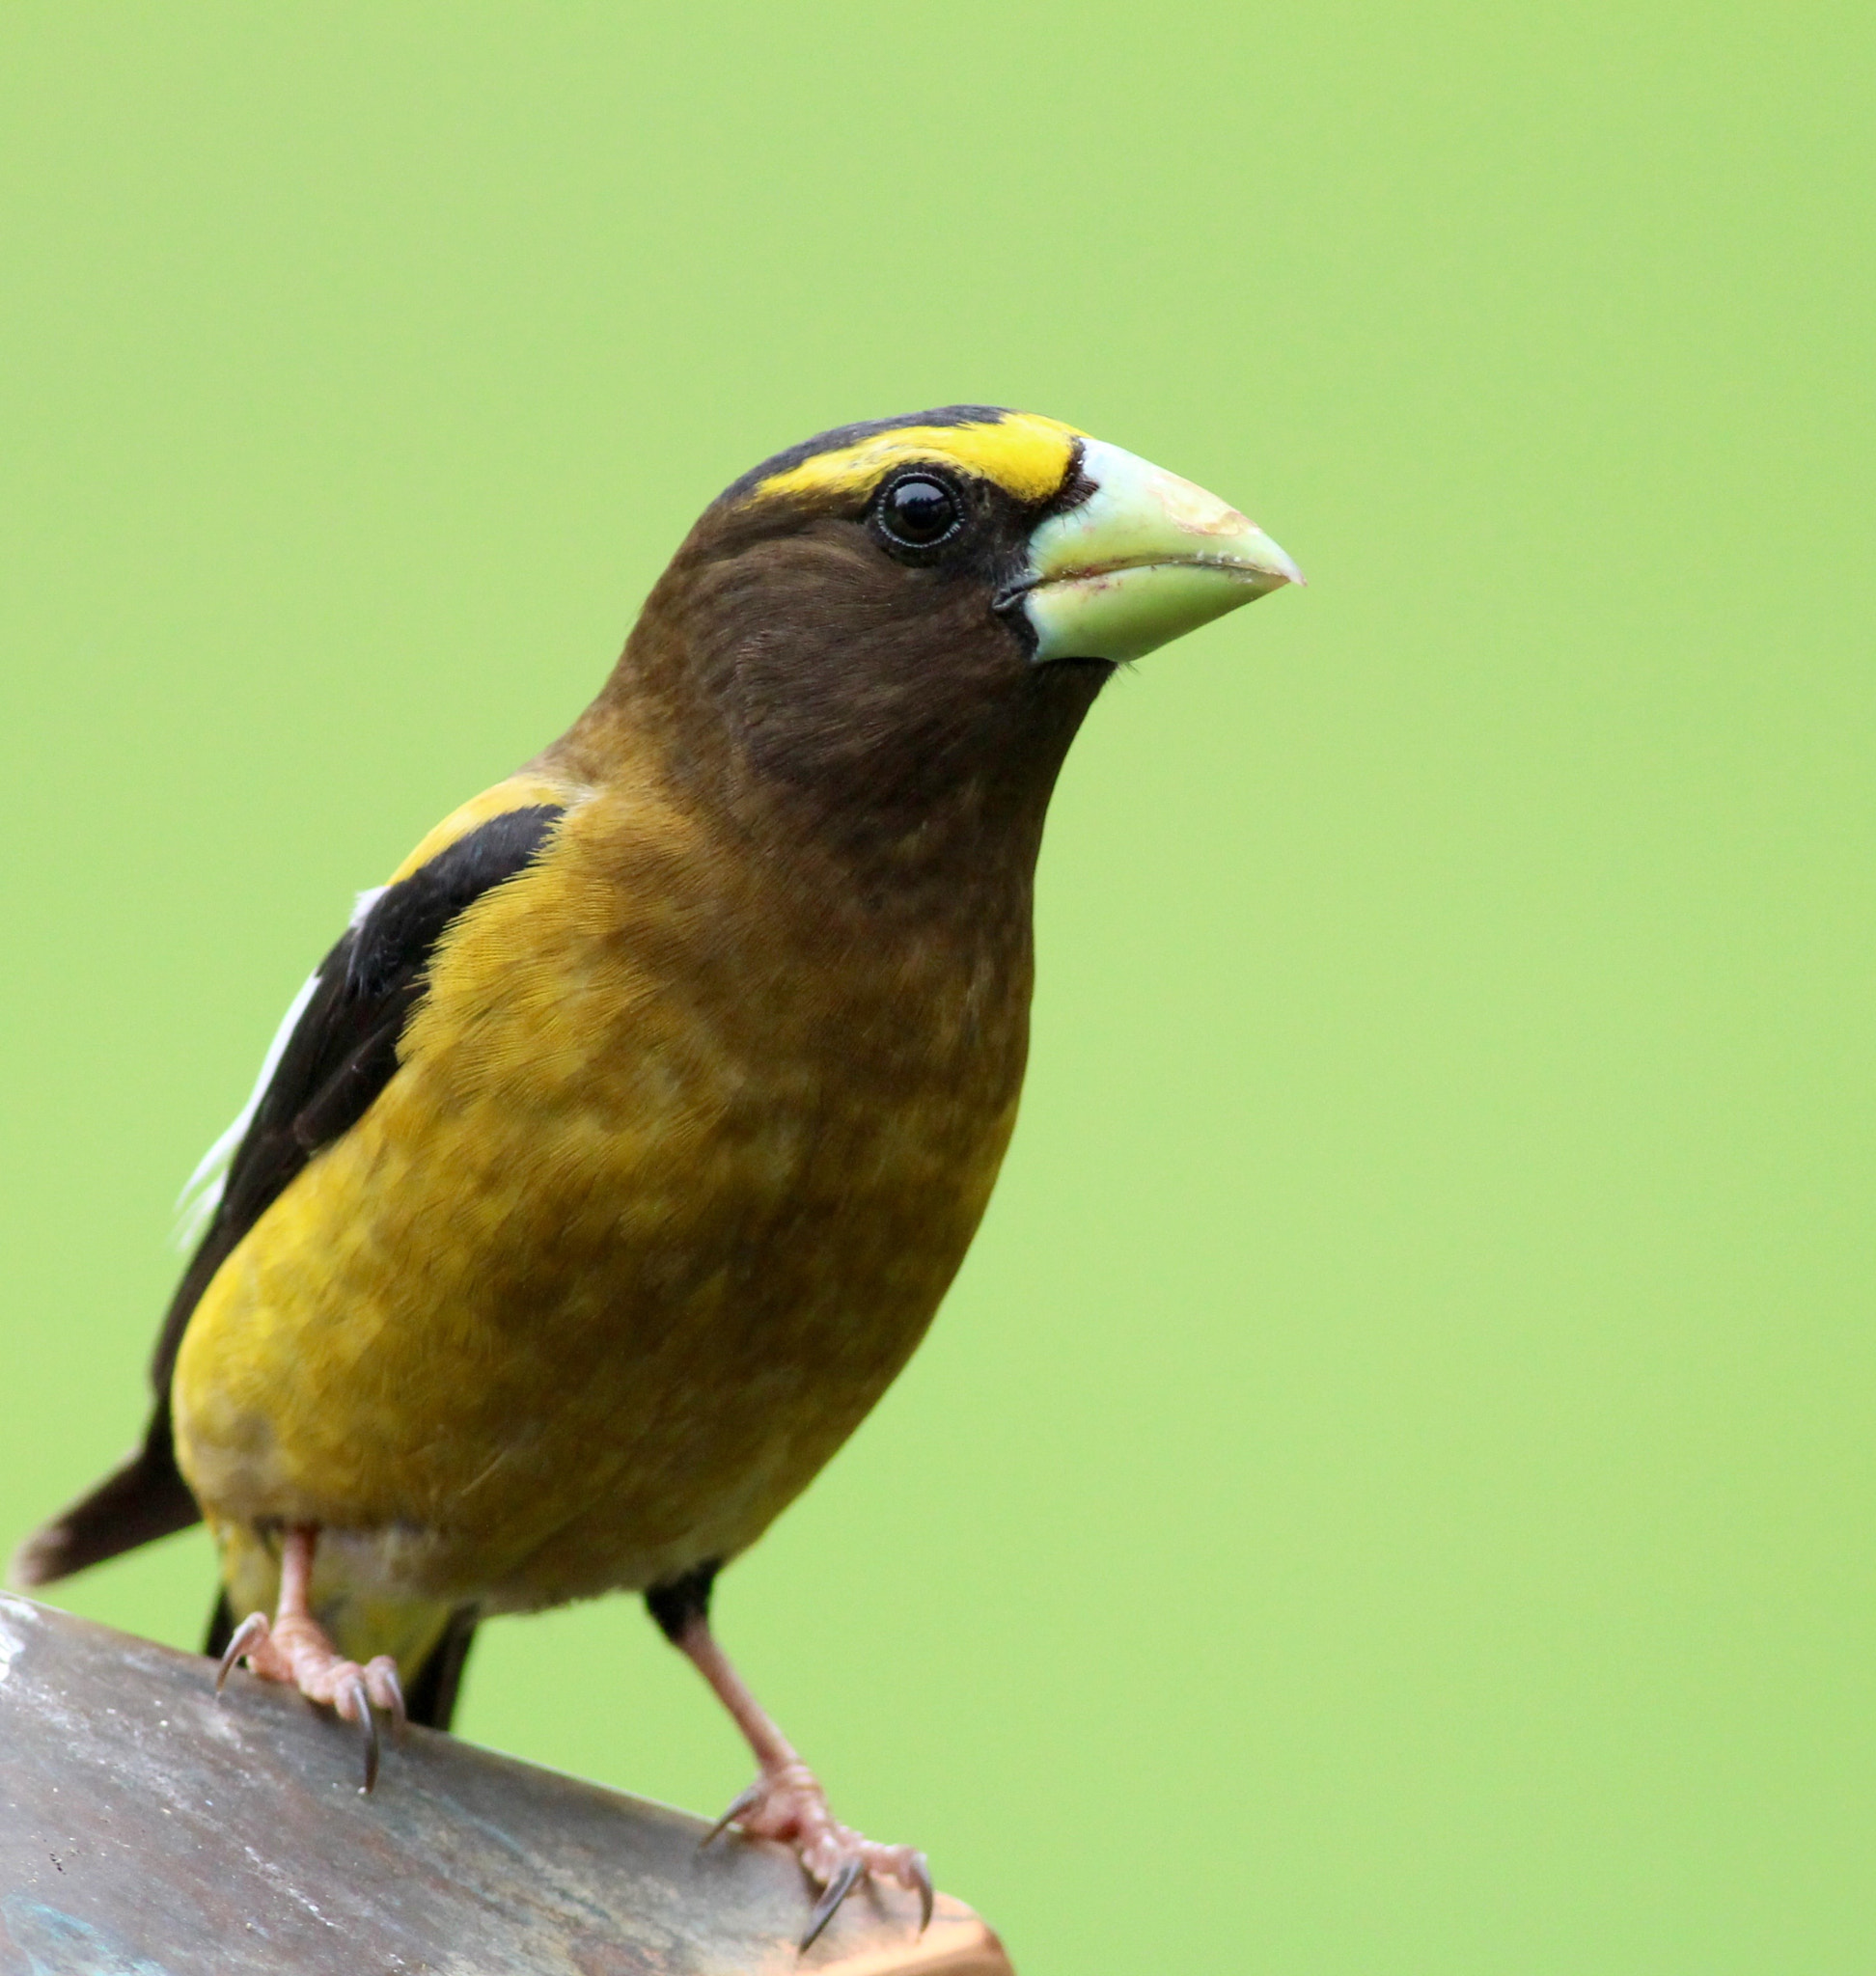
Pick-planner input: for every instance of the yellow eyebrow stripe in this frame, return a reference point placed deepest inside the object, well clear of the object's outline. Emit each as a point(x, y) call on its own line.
point(1026, 455)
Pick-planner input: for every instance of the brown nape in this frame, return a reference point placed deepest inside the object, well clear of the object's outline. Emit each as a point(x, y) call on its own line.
point(801, 678)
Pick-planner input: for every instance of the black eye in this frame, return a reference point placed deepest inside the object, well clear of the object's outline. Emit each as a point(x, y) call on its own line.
point(918, 513)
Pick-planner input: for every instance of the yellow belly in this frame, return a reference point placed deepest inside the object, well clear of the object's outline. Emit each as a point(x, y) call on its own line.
point(635, 1237)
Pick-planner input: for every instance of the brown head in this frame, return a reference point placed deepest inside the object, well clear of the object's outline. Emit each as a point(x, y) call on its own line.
point(887, 636)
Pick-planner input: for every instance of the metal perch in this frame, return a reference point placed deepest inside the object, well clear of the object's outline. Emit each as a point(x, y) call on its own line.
point(144, 1831)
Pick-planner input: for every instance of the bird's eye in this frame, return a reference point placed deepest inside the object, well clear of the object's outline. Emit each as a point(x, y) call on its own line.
point(918, 512)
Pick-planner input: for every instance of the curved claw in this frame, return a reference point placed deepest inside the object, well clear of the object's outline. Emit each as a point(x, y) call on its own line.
point(746, 1800)
point(384, 1671)
point(249, 1634)
point(919, 1874)
point(355, 1704)
point(828, 1906)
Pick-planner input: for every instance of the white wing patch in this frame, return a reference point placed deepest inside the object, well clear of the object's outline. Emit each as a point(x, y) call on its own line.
point(201, 1192)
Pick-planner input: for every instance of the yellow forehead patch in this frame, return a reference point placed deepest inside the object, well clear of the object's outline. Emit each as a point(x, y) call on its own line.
point(1024, 453)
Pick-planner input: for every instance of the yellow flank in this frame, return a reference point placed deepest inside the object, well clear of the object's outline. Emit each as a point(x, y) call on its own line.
point(520, 791)
point(1024, 453)
point(642, 1227)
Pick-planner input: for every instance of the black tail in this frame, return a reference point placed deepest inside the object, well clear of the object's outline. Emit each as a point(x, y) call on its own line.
point(142, 1498)
point(429, 1693)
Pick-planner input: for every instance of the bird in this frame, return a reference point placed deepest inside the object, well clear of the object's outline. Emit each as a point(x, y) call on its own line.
point(616, 1157)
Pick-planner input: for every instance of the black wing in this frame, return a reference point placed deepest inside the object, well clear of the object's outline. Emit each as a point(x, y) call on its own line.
point(342, 1054)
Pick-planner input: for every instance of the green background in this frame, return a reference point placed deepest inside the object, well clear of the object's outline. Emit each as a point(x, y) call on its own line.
point(1391, 1491)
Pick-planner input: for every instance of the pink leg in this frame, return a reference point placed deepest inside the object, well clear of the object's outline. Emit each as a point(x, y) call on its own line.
point(295, 1648)
point(787, 1801)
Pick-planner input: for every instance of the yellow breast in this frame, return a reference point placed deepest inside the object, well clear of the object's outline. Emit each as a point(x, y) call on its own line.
point(663, 1194)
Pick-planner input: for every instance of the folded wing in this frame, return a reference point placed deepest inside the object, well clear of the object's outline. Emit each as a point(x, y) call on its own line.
point(338, 1051)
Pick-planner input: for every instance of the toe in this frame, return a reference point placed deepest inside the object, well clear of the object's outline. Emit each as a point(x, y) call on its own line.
point(745, 1802)
point(790, 1805)
point(828, 1906)
point(355, 1706)
point(916, 1874)
point(245, 1639)
point(384, 1685)
point(297, 1651)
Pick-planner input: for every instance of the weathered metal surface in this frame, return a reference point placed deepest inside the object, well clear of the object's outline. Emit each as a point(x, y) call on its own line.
point(145, 1830)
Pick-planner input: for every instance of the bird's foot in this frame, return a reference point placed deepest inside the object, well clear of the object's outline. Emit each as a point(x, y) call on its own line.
point(787, 1803)
point(295, 1648)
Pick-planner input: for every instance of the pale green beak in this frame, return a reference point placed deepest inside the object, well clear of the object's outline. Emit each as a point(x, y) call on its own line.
point(1148, 557)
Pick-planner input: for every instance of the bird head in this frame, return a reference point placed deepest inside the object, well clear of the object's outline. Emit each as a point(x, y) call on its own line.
point(907, 618)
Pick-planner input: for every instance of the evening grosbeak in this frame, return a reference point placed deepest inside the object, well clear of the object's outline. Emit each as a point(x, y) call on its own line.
point(616, 1157)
